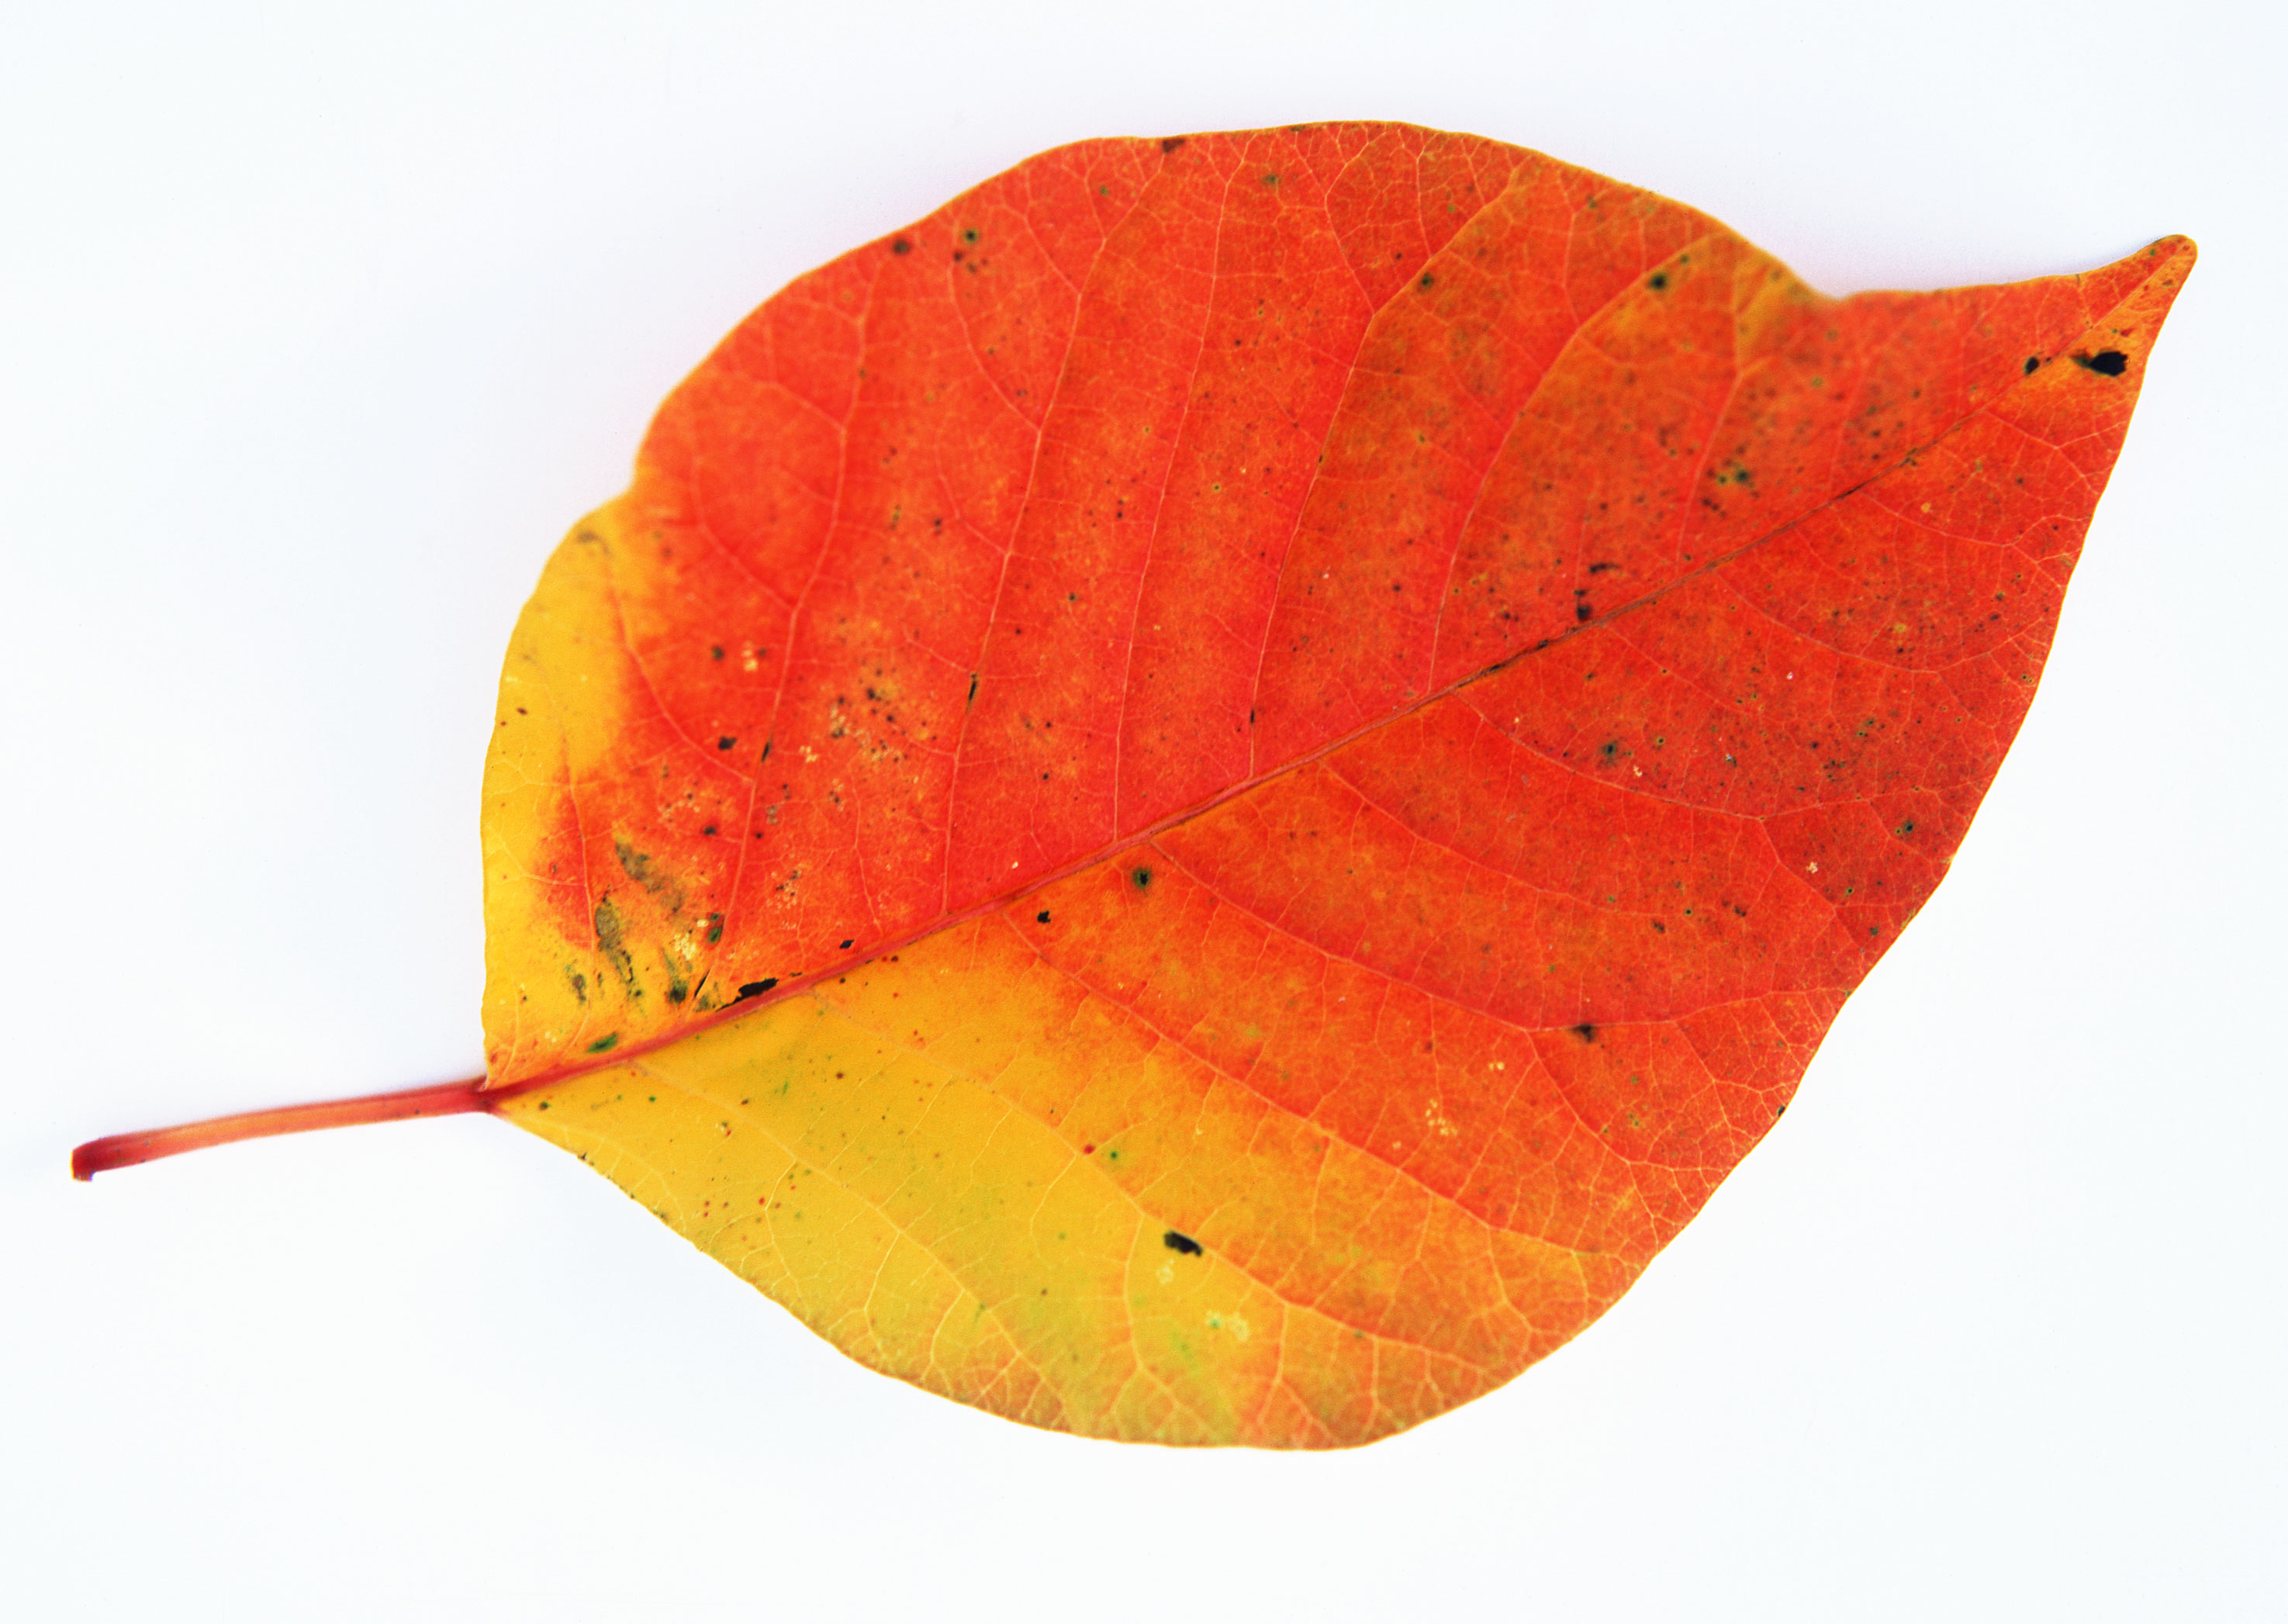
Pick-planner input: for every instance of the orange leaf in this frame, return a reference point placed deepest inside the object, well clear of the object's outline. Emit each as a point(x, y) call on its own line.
point(1202, 798)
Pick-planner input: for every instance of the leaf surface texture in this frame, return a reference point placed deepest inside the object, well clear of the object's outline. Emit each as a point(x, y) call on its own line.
point(1202, 797)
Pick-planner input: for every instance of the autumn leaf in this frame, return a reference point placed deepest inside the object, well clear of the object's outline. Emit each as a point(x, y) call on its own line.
point(1202, 797)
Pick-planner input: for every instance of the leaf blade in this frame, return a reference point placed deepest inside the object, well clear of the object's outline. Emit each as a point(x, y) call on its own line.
point(1590, 935)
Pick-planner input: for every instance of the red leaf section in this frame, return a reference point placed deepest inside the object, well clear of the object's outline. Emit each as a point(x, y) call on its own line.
point(1493, 598)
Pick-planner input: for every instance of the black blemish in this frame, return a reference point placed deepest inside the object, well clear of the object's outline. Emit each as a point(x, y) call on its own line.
point(1657, 281)
point(716, 649)
point(767, 748)
point(1142, 877)
point(1042, 917)
point(1581, 611)
point(972, 688)
point(2033, 363)
point(1610, 749)
point(2113, 363)
point(1660, 927)
point(724, 742)
point(853, 942)
point(1779, 1113)
point(902, 247)
point(1177, 1242)
point(1598, 569)
point(1586, 1031)
point(1170, 143)
point(710, 829)
point(1908, 828)
point(750, 988)
point(1428, 281)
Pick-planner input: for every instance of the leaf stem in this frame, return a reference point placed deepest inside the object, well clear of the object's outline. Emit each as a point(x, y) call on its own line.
point(125, 1150)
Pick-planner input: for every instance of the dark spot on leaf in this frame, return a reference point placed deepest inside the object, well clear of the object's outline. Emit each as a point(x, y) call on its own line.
point(1585, 1032)
point(2113, 363)
point(1142, 877)
point(1170, 143)
point(1042, 917)
point(902, 246)
point(716, 649)
point(1176, 1241)
point(1657, 281)
point(750, 988)
point(972, 688)
point(1428, 281)
point(611, 931)
point(724, 742)
point(1581, 611)
point(850, 943)
point(2033, 363)
point(603, 1043)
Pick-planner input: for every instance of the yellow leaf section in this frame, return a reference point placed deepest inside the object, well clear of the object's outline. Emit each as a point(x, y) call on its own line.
point(965, 1169)
point(594, 942)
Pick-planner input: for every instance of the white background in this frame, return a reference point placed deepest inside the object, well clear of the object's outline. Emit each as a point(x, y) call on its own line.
point(317, 328)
